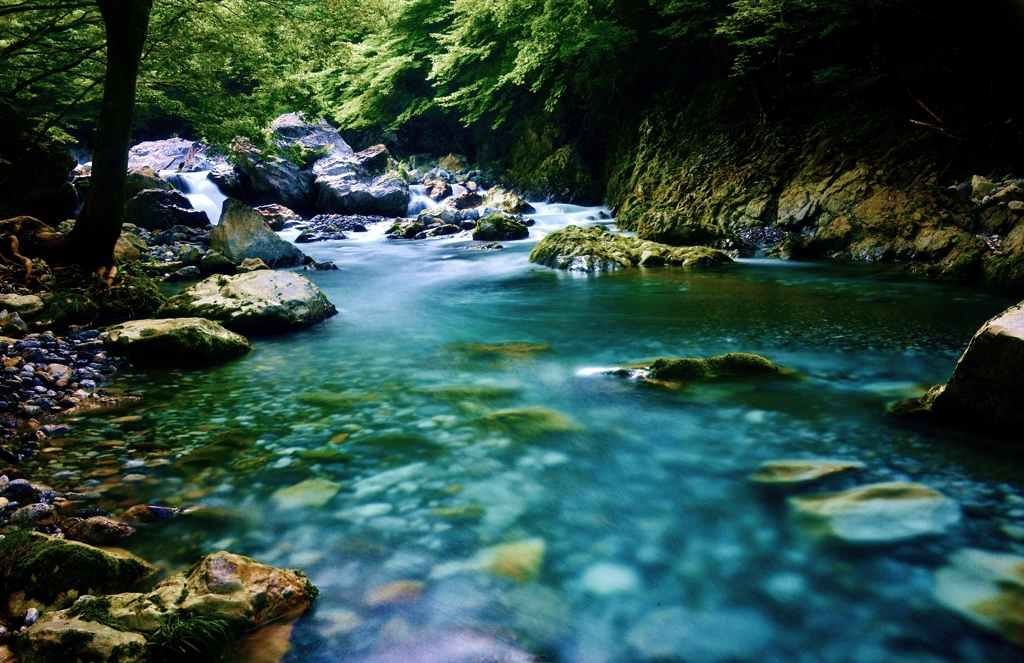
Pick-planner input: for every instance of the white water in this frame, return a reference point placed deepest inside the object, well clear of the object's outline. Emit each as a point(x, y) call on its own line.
point(201, 191)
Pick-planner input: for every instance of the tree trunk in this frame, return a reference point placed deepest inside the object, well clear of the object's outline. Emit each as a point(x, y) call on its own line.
point(91, 241)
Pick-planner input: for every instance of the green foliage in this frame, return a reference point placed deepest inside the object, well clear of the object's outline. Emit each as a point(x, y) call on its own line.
point(194, 638)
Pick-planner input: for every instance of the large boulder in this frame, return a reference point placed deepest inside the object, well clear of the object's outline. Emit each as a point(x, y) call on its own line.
point(226, 179)
point(385, 196)
point(256, 302)
point(268, 179)
point(140, 179)
point(243, 233)
point(507, 201)
point(158, 209)
point(499, 228)
point(61, 637)
point(278, 216)
point(594, 249)
point(170, 154)
point(317, 136)
point(987, 384)
point(35, 175)
point(372, 161)
point(175, 341)
point(40, 572)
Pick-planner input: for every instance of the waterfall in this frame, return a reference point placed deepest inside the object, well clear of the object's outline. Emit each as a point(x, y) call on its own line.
point(201, 191)
point(419, 201)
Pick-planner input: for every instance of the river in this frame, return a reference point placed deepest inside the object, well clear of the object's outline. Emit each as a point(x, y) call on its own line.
point(635, 533)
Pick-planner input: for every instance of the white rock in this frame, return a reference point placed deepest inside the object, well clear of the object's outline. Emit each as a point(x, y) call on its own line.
point(605, 578)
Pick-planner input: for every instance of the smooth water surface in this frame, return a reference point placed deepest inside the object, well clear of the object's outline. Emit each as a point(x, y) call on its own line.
point(630, 502)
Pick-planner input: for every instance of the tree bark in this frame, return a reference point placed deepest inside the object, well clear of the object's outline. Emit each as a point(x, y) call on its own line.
point(91, 241)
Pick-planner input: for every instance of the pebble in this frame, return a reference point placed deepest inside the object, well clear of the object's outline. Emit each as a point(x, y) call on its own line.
point(606, 578)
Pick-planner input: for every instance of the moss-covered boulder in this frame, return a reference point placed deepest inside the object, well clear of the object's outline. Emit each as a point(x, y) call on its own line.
point(594, 249)
point(499, 228)
point(527, 423)
point(687, 369)
point(259, 302)
point(176, 341)
point(44, 573)
point(985, 388)
point(74, 640)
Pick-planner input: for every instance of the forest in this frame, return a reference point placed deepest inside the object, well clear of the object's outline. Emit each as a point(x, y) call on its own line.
point(519, 331)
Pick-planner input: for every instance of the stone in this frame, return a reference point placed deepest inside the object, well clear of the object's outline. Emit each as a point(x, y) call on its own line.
point(437, 189)
point(314, 135)
point(984, 390)
point(142, 179)
point(605, 579)
point(63, 638)
point(519, 561)
point(794, 473)
point(393, 593)
point(344, 194)
point(499, 228)
point(373, 160)
point(125, 251)
point(985, 588)
point(189, 273)
point(168, 154)
point(215, 262)
point(175, 341)
point(226, 179)
point(141, 514)
point(242, 233)
point(876, 513)
point(269, 179)
point(506, 201)
point(312, 493)
point(678, 634)
point(733, 364)
point(465, 200)
point(981, 187)
point(594, 249)
point(526, 423)
point(453, 163)
point(25, 305)
point(40, 572)
point(277, 216)
point(34, 515)
point(251, 265)
point(97, 531)
point(436, 216)
point(156, 209)
point(257, 302)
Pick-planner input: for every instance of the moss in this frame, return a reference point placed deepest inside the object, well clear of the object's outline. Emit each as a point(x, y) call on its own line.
point(47, 569)
point(96, 610)
point(498, 351)
point(476, 393)
point(499, 227)
point(311, 591)
point(727, 365)
point(594, 249)
point(126, 652)
point(527, 423)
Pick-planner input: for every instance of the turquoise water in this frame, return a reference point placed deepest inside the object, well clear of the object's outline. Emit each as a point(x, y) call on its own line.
point(648, 542)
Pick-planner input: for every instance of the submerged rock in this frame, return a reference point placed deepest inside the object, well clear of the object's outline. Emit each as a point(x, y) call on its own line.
point(594, 249)
point(196, 341)
point(526, 423)
point(243, 233)
point(97, 531)
point(257, 302)
point(493, 351)
point(877, 513)
point(709, 637)
point(986, 386)
point(499, 228)
point(985, 588)
point(793, 473)
point(312, 493)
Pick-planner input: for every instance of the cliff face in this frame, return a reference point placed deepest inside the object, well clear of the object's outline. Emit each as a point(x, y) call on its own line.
point(857, 180)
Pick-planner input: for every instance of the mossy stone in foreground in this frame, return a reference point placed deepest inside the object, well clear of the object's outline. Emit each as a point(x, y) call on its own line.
point(594, 249)
point(73, 640)
point(45, 573)
point(173, 341)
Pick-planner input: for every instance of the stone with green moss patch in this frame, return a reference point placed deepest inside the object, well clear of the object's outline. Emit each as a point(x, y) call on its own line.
point(499, 228)
point(69, 639)
point(527, 423)
point(173, 341)
point(45, 573)
point(594, 249)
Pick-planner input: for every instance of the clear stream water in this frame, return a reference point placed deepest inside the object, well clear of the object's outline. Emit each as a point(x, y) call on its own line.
point(655, 547)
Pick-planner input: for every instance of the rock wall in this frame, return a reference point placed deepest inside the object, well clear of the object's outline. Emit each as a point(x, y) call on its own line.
point(860, 183)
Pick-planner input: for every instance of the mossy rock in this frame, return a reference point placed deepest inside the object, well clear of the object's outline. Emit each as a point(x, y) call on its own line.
point(67, 639)
point(65, 308)
point(176, 341)
point(479, 393)
point(594, 249)
point(496, 351)
point(45, 573)
point(527, 423)
point(499, 228)
point(733, 364)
